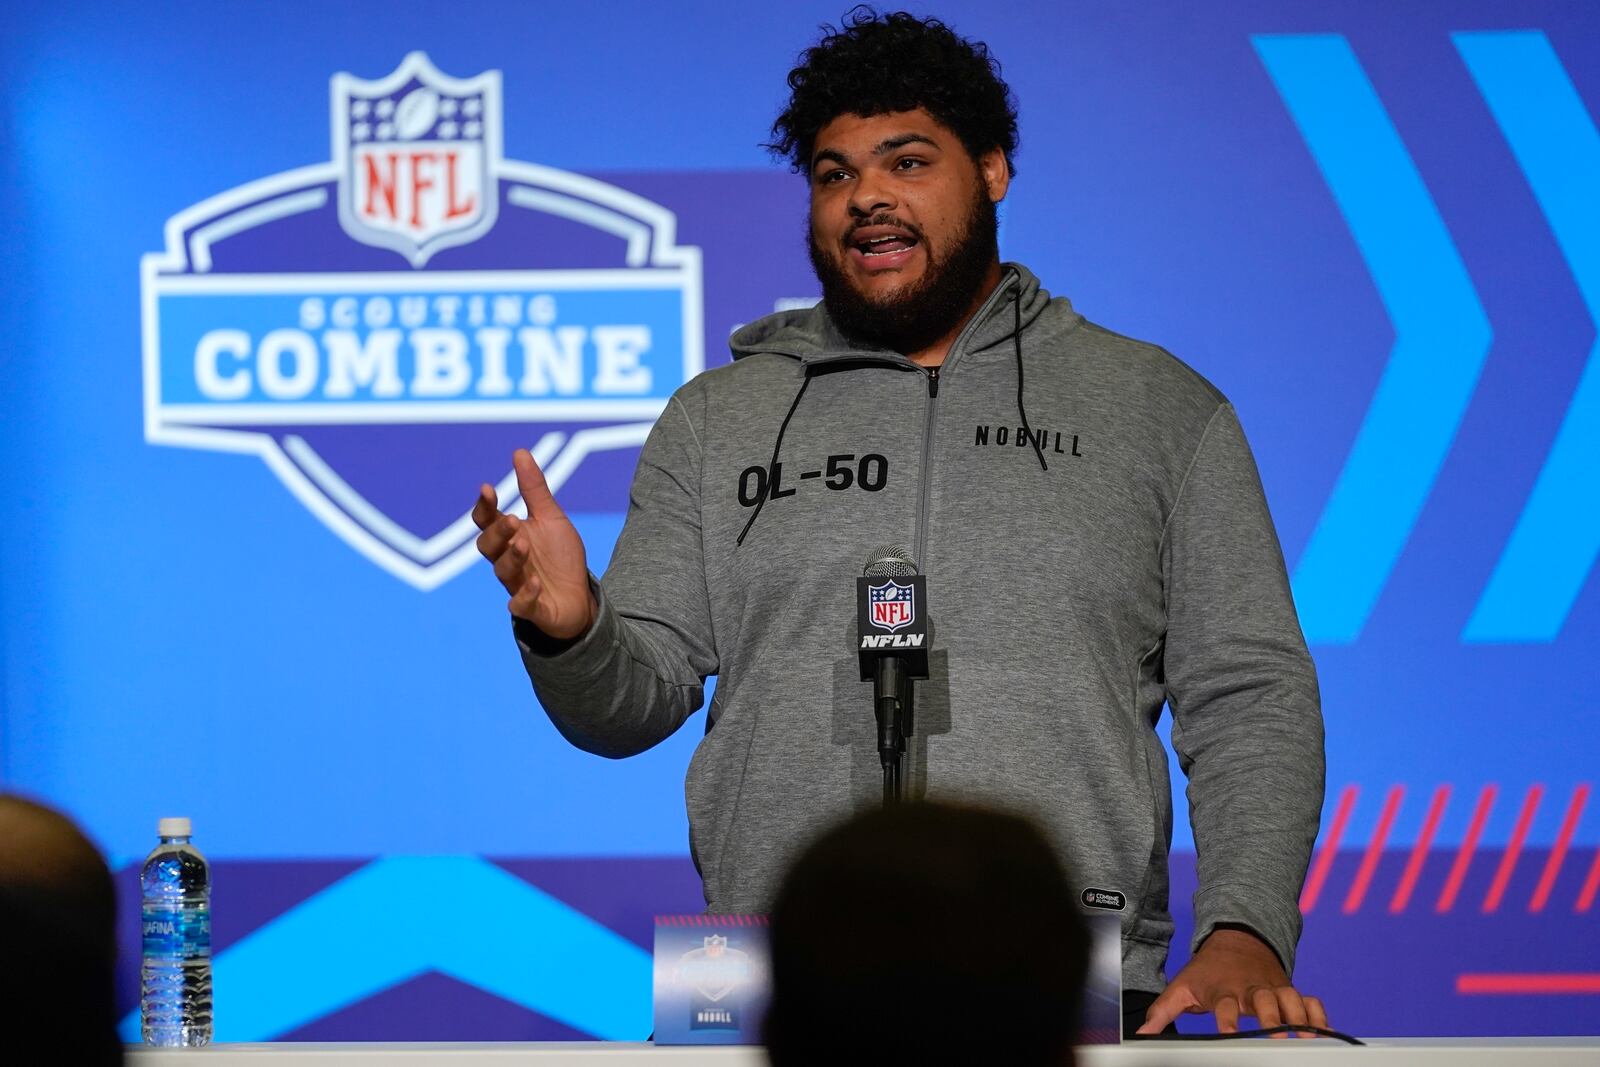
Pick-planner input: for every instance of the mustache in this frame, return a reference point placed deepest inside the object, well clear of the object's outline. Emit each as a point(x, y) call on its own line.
point(883, 219)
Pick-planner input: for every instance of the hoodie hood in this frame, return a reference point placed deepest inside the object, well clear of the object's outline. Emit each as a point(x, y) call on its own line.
point(809, 334)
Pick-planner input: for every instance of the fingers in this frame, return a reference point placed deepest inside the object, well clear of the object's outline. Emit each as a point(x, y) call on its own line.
point(1265, 1008)
point(1227, 1012)
point(493, 541)
point(530, 480)
point(1316, 1015)
point(1167, 1007)
point(509, 568)
point(525, 599)
point(1291, 1007)
point(497, 529)
point(487, 508)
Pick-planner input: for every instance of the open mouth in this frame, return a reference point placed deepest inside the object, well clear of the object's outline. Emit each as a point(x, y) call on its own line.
point(882, 244)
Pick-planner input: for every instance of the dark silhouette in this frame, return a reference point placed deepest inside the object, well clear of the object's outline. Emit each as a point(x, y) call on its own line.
point(57, 924)
point(927, 934)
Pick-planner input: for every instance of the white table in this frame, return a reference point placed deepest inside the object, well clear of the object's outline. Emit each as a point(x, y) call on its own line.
point(1391, 1052)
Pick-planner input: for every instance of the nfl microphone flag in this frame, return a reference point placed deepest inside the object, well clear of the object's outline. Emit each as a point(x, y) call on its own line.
point(892, 620)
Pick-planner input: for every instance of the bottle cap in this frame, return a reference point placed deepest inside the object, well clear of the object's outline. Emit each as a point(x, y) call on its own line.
point(174, 828)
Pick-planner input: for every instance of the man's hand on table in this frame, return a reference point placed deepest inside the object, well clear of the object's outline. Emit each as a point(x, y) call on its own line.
point(1234, 973)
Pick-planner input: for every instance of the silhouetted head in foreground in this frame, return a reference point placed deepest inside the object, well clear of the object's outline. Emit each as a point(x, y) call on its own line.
point(58, 917)
point(927, 934)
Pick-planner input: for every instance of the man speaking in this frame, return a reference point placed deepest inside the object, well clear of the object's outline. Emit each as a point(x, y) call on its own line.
point(1084, 506)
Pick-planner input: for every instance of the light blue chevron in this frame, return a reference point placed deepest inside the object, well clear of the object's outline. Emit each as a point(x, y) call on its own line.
point(1442, 335)
point(1557, 537)
point(399, 917)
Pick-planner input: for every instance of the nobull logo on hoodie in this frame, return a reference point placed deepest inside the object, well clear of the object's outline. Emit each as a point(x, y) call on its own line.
point(382, 327)
point(1054, 441)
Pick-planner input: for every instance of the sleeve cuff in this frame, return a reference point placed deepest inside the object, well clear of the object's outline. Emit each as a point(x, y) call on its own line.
point(1251, 907)
point(573, 660)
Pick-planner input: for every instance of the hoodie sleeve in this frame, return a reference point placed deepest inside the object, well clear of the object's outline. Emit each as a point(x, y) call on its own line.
point(1247, 720)
point(640, 670)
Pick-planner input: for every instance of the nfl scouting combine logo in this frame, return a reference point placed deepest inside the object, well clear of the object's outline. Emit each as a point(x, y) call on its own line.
point(382, 328)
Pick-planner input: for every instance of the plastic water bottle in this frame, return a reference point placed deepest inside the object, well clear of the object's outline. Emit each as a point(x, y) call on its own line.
point(175, 979)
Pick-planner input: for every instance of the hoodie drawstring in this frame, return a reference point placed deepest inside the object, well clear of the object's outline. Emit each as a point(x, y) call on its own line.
point(766, 485)
point(810, 369)
point(1016, 341)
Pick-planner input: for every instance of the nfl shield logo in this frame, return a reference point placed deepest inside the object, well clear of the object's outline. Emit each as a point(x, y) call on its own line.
point(892, 605)
point(416, 151)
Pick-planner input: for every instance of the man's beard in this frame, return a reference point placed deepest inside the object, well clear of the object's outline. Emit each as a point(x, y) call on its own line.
point(912, 319)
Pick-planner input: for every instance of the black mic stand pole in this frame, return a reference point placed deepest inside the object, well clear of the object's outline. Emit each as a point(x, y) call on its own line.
point(892, 636)
point(892, 692)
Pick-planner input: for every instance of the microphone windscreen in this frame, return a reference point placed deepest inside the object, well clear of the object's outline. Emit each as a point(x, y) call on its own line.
point(889, 561)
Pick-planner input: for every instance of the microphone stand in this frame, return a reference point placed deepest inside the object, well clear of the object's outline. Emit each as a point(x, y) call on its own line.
point(893, 706)
point(892, 644)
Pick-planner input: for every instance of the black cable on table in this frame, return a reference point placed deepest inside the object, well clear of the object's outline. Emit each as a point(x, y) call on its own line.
point(1287, 1028)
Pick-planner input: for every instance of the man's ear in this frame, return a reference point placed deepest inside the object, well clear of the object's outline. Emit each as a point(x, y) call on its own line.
point(996, 173)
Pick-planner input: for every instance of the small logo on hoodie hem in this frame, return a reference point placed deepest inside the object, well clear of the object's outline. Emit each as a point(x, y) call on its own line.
point(1107, 899)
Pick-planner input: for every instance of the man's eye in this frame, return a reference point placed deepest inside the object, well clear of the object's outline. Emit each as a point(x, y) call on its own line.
point(908, 162)
point(832, 176)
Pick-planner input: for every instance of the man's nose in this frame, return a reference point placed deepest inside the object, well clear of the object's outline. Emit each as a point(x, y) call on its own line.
point(870, 195)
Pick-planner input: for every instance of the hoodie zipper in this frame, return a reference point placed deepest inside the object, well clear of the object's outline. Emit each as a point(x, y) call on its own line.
point(931, 417)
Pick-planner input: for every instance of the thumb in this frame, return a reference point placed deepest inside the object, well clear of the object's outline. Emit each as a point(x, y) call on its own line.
point(530, 480)
point(1167, 1007)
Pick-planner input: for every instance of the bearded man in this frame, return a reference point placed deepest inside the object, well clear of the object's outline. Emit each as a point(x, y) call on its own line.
point(1086, 509)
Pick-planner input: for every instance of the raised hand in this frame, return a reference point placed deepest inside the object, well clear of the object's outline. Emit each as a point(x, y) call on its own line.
point(540, 559)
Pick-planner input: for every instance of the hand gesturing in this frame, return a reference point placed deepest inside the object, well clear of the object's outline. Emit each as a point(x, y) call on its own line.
point(540, 559)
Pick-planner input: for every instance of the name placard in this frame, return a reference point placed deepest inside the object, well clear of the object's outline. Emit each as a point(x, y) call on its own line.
point(712, 979)
point(1102, 989)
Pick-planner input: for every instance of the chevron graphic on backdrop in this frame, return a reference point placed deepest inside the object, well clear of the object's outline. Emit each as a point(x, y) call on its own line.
point(1553, 547)
point(399, 917)
point(1442, 335)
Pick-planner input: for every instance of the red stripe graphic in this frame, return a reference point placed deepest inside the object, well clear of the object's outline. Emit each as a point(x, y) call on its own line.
point(1419, 852)
point(1558, 855)
point(1458, 870)
point(1508, 862)
point(1369, 862)
point(1591, 885)
point(1527, 983)
point(1330, 846)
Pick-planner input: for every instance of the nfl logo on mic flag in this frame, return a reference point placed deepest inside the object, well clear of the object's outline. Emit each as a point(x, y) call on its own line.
point(893, 605)
point(892, 619)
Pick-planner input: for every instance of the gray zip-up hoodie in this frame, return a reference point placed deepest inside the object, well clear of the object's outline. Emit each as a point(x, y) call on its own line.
point(1117, 557)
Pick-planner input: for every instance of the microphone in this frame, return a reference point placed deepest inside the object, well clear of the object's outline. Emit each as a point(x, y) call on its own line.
point(892, 645)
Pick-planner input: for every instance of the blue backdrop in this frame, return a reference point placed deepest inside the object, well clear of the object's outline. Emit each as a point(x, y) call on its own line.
point(1373, 226)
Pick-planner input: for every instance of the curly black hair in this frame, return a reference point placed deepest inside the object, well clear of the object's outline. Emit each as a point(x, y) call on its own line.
point(875, 64)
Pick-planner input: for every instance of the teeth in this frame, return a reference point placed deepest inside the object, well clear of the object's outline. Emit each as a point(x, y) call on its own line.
point(868, 246)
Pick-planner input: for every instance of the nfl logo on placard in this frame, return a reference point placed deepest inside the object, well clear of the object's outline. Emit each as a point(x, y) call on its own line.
point(893, 605)
point(311, 318)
